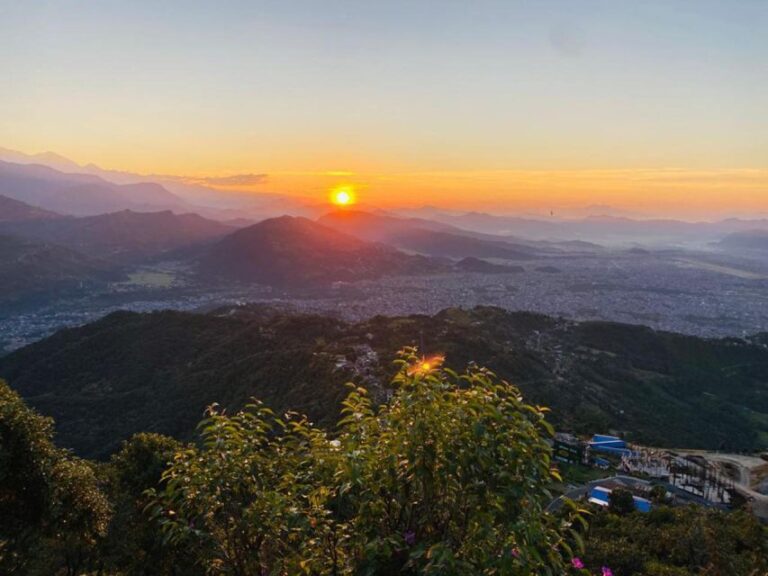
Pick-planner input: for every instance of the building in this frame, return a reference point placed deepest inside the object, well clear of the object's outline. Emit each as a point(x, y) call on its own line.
point(609, 445)
point(600, 495)
point(567, 448)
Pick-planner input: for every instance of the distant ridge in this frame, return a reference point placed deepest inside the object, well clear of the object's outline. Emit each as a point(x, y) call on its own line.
point(599, 229)
point(123, 235)
point(423, 236)
point(81, 194)
point(217, 203)
point(295, 251)
point(48, 158)
point(16, 211)
point(31, 270)
point(747, 240)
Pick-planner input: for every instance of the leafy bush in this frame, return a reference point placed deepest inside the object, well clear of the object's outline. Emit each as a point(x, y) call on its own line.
point(134, 543)
point(52, 511)
point(449, 477)
point(620, 501)
point(684, 541)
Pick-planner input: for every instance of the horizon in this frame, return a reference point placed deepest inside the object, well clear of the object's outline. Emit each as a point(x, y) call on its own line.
point(229, 184)
point(649, 110)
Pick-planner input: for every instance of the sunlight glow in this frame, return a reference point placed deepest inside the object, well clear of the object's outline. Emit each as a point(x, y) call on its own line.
point(426, 365)
point(343, 196)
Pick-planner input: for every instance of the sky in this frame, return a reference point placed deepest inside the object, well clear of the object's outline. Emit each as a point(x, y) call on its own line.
point(653, 107)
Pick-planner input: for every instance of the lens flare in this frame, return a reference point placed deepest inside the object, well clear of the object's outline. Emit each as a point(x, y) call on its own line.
point(426, 364)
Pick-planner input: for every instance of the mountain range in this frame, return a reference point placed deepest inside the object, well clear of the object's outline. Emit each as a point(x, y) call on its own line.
point(55, 183)
point(36, 271)
point(124, 236)
point(290, 252)
point(218, 203)
point(105, 223)
point(80, 194)
point(424, 236)
point(15, 211)
point(295, 251)
point(601, 229)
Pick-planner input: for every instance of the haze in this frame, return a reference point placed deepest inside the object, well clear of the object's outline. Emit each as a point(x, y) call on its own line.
point(645, 108)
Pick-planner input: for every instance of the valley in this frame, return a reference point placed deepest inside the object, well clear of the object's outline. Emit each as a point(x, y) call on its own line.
point(719, 296)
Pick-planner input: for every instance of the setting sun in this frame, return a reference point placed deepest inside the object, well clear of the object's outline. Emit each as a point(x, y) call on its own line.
point(343, 196)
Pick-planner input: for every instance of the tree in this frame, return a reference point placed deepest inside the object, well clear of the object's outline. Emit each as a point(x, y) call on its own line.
point(52, 511)
point(659, 494)
point(134, 544)
point(449, 477)
point(680, 541)
point(621, 502)
point(248, 501)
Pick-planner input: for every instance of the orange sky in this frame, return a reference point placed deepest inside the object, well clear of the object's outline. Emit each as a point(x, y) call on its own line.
point(650, 192)
point(653, 107)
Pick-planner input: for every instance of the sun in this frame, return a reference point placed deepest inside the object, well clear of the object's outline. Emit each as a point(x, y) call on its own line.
point(343, 196)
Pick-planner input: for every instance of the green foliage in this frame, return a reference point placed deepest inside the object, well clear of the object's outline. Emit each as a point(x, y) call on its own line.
point(130, 373)
point(448, 477)
point(51, 509)
point(581, 474)
point(245, 500)
point(659, 494)
point(134, 544)
point(684, 541)
point(34, 272)
point(620, 502)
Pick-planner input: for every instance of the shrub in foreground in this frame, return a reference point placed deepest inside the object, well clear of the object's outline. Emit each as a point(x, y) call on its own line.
point(448, 477)
point(52, 511)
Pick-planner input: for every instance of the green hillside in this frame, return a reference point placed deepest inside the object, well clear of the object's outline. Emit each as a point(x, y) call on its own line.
point(157, 372)
point(32, 271)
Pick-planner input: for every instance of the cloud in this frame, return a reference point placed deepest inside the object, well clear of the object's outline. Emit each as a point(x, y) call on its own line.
point(235, 180)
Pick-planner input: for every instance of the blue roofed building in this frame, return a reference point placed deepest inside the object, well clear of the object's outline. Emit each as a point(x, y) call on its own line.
point(600, 495)
point(609, 445)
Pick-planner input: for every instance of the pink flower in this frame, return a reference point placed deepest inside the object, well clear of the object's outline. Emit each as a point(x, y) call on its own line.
point(577, 563)
point(607, 571)
point(515, 552)
point(410, 538)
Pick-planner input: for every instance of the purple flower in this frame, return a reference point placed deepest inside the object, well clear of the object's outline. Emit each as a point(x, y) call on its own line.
point(607, 571)
point(577, 563)
point(410, 538)
point(515, 552)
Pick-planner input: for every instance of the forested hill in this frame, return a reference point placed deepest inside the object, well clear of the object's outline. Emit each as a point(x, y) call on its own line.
point(156, 372)
point(35, 271)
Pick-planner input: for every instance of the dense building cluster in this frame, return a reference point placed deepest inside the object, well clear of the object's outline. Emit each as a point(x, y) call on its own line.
point(667, 292)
